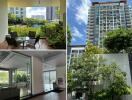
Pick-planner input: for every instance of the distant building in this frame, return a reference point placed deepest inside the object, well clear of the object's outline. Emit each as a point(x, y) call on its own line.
point(73, 52)
point(51, 13)
point(39, 17)
point(107, 16)
point(19, 12)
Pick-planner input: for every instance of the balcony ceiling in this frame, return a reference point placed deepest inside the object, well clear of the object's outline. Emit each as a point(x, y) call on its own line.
point(33, 3)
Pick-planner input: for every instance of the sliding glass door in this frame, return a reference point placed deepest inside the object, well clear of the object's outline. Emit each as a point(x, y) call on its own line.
point(49, 77)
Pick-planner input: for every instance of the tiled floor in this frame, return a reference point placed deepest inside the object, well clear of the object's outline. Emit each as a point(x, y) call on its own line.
point(51, 96)
point(42, 45)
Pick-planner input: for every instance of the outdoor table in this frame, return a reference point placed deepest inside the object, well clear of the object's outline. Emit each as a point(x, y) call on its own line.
point(23, 40)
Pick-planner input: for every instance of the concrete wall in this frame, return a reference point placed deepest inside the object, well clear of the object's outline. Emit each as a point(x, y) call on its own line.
point(37, 79)
point(61, 73)
point(123, 61)
point(3, 19)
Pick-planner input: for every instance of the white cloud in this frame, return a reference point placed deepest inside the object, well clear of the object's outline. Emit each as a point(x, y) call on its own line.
point(74, 39)
point(67, 4)
point(82, 12)
point(35, 11)
point(76, 33)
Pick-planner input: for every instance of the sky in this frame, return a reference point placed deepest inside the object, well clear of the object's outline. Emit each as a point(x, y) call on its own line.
point(35, 10)
point(77, 18)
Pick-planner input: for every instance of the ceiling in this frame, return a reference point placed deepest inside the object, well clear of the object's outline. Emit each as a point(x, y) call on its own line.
point(31, 3)
point(41, 54)
point(22, 58)
point(56, 58)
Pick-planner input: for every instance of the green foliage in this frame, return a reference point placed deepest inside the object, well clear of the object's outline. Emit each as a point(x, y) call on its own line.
point(55, 34)
point(22, 30)
point(14, 20)
point(90, 67)
point(31, 21)
point(119, 40)
point(69, 36)
point(21, 78)
point(4, 77)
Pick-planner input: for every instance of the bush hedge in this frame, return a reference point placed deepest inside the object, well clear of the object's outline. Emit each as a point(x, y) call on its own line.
point(23, 30)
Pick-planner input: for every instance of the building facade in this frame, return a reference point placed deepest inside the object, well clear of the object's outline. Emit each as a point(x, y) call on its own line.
point(51, 13)
point(19, 12)
point(107, 16)
point(73, 52)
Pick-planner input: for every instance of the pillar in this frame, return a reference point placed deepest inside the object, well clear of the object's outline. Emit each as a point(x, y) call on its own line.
point(63, 13)
point(3, 19)
point(37, 76)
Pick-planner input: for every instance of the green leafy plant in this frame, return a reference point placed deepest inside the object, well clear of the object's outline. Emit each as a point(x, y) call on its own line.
point(55, 34)
point(90, 68)
point(23, 30)
point(119, 40)
point(21, 78)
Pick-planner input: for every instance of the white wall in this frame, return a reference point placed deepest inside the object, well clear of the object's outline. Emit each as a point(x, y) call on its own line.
point(37, 72)
point(123, 62)
point(48, 67)
point(3, 19)
point(61, 73)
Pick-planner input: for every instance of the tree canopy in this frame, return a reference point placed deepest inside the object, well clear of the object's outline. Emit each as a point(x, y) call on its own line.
point(119, 40)
point(89, 71)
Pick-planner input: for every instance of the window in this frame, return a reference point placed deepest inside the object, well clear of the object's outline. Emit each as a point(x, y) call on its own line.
point(4, 77)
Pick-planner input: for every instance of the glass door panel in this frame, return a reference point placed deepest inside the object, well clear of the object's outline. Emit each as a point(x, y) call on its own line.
point(52, 78)
point(49, 77)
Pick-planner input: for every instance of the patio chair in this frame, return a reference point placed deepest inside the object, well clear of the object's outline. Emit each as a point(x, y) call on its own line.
point(13, 34)
point(11, 41)
point(33, 42)
point(8, 40)
point(32, 34)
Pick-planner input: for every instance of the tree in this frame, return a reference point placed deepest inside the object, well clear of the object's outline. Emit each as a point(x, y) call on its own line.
point(11, 18)
point(83, 70)
point(119, 40)
point(68, 35)
point(89, 69)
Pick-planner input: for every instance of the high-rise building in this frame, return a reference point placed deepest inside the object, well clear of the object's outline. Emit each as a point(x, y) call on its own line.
point(107, 16)
point(19, 12)
point(73, 52)
point(51, 13)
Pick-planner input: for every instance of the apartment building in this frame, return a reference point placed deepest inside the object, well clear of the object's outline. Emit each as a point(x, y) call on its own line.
point(107, 16)
point(73, 52)
point(19, 12)
point(51, 13)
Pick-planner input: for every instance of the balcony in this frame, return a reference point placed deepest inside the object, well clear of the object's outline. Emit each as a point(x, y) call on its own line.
point(44, 42)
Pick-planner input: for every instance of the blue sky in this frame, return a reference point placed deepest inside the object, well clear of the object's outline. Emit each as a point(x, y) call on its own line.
point(77, 17)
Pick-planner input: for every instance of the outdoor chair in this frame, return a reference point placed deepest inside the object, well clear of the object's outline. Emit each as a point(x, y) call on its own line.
point(8, 40)
point(11, 41)
point(33, 42)
point(13, 34)
point(31, 34)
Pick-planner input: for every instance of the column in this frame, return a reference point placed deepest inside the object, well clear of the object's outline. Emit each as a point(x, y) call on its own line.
point(37, 76)
point(63, 12)
point(3, 19)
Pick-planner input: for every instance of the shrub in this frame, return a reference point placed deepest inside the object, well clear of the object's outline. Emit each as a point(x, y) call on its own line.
point(22, 30)
point(55, 34)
